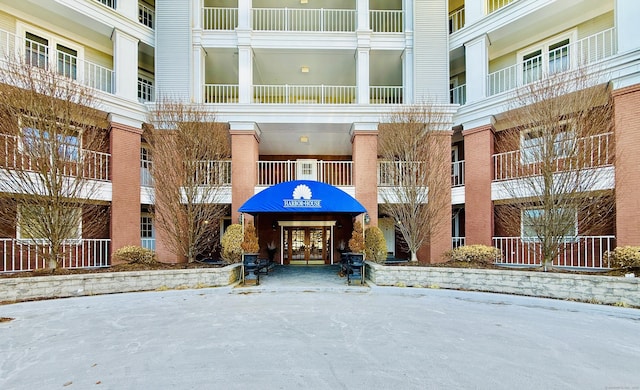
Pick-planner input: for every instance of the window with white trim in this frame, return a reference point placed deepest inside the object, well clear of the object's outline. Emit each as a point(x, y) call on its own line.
point(533, 143)
point(546, 58)
point(534, 220)
point(38, 143)
point(45, 50)
point(31, 226)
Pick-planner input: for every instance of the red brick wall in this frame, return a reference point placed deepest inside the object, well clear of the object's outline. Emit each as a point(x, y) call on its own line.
point(244, 157)
point(125, 179)
point(365, 171)
point(627, 137)
point(478, 146)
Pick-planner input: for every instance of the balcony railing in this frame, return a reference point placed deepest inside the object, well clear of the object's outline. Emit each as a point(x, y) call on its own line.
point(586, 51)
point(385, 95)
point(304, 94)
point(457, 242)
point(596, 151)
point(336, 173)
point(146, 15)
point(396, 173)
point(386, 21)
point(213, 173)
point(219, 18)
point(494, 5)
point(578, 252)
point(27, 255)
point(295, 19)
point(457, 173)
point(456, 20)
point(458, 95)
point(221, 93)
point(36, 54)
point(89, 164)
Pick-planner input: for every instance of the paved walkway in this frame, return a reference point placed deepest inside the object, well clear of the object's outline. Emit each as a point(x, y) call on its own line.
point(280, 336)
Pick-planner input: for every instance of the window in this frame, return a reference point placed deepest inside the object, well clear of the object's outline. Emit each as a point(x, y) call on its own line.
point(40, 144)
point(36, 51)
point(67, 62)
point(145, 89)
point(533, 144)
point(146, 226)
point(546, 58)
point(562, 222)
point(31, 226)
point(146, 179)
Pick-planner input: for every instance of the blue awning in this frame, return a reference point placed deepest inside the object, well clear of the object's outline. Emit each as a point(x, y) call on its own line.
point(302, 196)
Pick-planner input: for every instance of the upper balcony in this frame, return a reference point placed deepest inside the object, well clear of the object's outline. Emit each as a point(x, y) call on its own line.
point(66, 61)
point(146, 13)
point(298, 18)
point(457, 14)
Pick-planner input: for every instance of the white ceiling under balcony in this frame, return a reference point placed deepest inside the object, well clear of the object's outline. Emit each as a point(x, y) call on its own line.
point(323, 67)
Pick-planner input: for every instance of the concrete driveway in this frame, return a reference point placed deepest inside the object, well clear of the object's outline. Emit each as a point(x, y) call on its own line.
point(378, 338)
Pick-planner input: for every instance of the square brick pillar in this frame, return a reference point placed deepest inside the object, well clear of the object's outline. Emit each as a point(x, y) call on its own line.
point(364, 139)
point(125, 182)
point(478, 166)
point(440, 240)
point(245, 140)
point(627, 162)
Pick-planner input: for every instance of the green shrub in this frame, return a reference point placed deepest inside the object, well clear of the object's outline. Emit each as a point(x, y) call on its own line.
point(624, 257)
point(474, 253)
point(375, 244)
point(232, 243)
point(134, 255)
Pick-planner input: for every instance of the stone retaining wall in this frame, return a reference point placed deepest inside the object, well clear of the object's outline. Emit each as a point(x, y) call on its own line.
point(587, 288)
point(16, 289)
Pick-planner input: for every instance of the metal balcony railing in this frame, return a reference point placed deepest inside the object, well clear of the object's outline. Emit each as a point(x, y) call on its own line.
point(578, 252)
point(215, 18)
point(304, 94)
point(28, 255)
point(596, 152)
point(88, 164)
point(386, 21)
point(589, 50)
point(296, 19)
point(456, 20)
point(336, 173)
point(458, 95)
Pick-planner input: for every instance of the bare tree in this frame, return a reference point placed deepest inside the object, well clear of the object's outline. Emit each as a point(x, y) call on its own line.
point(555, 177)
point(414, 145)
point(52, 136)
point(191, 172)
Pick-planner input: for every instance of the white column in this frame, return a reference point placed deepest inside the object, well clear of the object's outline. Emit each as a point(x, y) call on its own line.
point(477, 68)
point(244, 14)
point(125, 64)
point(362, 75)
point(128, 8)
point(198, 74)
point(407, 6)
point(196, 14)
point(473, 11)
point(245, 74)
point(628, 29)
point(362, 10)
point(407, 75)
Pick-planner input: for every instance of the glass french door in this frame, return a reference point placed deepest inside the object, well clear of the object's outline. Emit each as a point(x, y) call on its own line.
point(307, 245)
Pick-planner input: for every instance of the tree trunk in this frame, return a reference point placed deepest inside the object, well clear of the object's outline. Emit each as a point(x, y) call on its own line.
point(414, 256)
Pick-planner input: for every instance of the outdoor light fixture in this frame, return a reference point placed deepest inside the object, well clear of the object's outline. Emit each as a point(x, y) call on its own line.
point(274, 225)
point(304, 139)
point(367, 219)
point(304, 1)
point(304, 69)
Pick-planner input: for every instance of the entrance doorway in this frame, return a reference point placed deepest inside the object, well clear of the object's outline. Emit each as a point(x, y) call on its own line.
point(307, 242)
point(307, 245)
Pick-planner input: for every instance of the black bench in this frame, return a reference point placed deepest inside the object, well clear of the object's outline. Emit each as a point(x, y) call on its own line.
point(352, 265)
